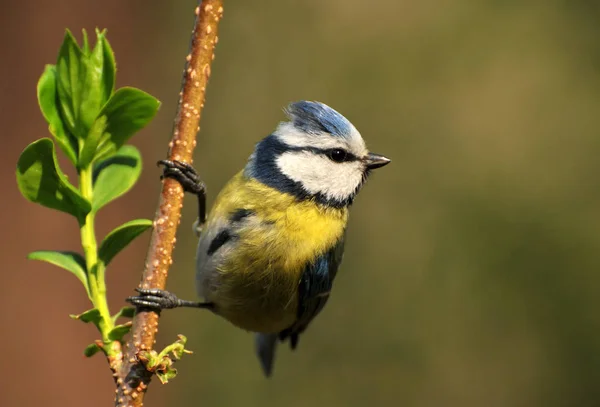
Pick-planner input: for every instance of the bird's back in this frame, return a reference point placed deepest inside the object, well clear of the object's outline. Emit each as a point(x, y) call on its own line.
point(254, 249)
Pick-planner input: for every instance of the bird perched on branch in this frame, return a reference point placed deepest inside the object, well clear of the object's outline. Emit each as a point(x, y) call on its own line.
point(271, 246)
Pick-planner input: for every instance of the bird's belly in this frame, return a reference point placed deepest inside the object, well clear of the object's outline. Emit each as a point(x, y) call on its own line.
point(253, 277)
point(252, 299)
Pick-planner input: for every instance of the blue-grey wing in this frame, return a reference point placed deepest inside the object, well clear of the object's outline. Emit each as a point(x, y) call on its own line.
point(313, 290)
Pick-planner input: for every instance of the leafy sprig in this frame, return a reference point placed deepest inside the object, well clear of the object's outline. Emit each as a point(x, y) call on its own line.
point(90, 122)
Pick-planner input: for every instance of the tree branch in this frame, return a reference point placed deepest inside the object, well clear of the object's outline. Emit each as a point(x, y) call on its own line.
point(131, 376)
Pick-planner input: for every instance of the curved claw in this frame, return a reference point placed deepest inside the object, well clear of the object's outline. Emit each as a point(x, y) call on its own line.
point(158, 299)
point(154, 298)
point(190, 181)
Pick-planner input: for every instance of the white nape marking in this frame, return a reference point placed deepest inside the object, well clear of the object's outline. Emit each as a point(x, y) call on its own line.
point(318, 174)
point(294, 137)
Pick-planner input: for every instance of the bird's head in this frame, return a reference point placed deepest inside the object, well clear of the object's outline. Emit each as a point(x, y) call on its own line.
point(318, 154)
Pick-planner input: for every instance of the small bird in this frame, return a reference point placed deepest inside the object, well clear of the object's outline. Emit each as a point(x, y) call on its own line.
point(271, 246)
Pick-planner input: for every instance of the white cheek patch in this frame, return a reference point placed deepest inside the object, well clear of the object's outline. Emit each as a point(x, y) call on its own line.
point(318, 174)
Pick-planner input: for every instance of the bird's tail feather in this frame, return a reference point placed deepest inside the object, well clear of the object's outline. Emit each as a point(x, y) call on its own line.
point(265, 349)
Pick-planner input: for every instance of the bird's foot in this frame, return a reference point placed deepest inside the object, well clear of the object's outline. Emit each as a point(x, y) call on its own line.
point(156, 299)
point(185, 174)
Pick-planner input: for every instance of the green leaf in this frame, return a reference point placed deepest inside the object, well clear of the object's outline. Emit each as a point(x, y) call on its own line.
point(102, 55)
point(109, 68)
point(161, 363)
point(125, 312)
point(69, 69)
point(91, 315)
point(48, 99)
point(70, 261)
point(41, 180)
point(178, 347)
point(119, 331)
point(98, 84)
point(85, 48)
point(127, 112)
point(91, 350)
point(84, 85)
point(120, 237)
point(164, 375)
point(90, 145)
point(149, 359)
point(116, 175)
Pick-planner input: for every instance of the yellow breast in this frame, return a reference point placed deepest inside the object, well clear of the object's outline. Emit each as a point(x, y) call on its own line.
point(257, 283)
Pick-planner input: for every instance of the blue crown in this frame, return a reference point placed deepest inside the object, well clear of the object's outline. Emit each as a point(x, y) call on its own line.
point(316, 117)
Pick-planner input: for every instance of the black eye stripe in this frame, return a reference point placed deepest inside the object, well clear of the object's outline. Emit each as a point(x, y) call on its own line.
point(326, 152)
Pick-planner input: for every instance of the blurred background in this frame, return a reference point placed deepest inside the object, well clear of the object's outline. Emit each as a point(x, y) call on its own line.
point(472, 269)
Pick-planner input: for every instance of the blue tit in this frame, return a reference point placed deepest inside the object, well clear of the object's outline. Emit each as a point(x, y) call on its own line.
point(272, 244)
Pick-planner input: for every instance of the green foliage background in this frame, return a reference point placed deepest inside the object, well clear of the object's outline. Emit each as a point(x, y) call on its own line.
point(471, 273)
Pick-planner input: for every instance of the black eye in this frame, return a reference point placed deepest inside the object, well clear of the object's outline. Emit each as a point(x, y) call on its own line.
point(338, 155)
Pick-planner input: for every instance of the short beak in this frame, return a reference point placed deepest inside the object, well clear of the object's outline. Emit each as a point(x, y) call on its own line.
point(375, 161)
